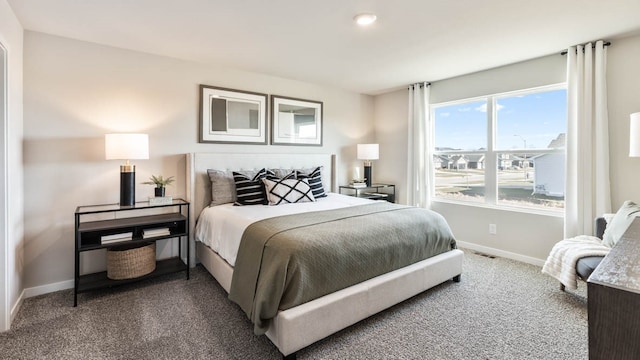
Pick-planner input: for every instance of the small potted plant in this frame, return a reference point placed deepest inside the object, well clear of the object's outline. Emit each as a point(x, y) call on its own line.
point(160, 183)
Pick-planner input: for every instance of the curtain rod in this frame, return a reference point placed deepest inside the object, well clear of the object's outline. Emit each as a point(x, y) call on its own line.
point(606, 43)
point(421, 85)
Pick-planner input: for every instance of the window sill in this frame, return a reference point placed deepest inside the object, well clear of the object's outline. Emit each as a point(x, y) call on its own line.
point(524, 210)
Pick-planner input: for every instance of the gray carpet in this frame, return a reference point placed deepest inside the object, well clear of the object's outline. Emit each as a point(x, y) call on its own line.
point(501, 309)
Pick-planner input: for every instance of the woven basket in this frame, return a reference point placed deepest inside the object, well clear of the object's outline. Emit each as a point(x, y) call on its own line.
point(131, 262)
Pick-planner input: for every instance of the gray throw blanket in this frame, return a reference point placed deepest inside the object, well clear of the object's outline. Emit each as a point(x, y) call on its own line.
point(288, 260)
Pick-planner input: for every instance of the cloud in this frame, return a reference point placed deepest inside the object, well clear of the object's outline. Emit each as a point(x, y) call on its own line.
point(445, 114)
point(483, 107)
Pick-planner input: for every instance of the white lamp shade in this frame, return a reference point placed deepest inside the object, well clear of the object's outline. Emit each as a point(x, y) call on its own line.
point(126, 146)
point(368, 151)
point(634, 135)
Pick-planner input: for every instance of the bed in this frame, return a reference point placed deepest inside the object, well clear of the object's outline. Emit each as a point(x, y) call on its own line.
point(301, 325)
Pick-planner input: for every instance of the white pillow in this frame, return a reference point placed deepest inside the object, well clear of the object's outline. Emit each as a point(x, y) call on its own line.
point(620, 222)
point(287, 191)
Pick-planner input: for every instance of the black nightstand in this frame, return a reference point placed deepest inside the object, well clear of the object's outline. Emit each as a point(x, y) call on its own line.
point(96, 223)
point(374, 192)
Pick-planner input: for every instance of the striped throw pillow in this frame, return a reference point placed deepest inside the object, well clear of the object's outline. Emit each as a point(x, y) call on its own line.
point(250, 191)
point(315, 181)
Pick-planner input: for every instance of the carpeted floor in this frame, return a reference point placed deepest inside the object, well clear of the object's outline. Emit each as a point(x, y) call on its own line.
point(502, 309)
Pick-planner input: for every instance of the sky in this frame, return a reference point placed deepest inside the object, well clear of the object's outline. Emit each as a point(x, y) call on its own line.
point(534, 119)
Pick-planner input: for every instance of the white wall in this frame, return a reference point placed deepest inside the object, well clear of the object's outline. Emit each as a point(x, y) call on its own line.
point(75, 92)
point(623, 76)
point(391, 112)
point(11, 37)
point(520, 235)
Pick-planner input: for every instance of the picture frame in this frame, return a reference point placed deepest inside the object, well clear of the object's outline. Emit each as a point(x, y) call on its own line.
point(230, 116)
point(296, 121)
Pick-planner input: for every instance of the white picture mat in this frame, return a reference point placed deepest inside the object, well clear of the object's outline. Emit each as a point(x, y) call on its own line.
point(232, 135)
point(283, 123)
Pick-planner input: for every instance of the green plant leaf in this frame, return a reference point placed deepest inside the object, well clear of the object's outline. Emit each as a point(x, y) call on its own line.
point(159, 181)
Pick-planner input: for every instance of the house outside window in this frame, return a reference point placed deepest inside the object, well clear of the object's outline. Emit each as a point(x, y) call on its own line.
point(505, 150)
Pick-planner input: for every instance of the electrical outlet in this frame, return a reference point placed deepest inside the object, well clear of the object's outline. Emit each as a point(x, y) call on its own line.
point(492, 229)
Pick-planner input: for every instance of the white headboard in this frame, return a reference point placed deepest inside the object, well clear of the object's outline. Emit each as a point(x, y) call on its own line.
point(199, 186)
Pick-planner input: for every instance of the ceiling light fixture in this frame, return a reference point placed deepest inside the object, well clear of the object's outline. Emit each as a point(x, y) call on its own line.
point(364, 19)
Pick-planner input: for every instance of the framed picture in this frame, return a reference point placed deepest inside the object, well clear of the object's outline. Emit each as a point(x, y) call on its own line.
point(232, 116)
point(295, 121)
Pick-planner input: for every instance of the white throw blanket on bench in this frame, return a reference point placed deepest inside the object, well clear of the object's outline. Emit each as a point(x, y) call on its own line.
point(561, 263)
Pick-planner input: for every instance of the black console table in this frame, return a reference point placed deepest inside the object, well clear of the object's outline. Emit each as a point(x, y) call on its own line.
point(614, 300)
point(94, 222)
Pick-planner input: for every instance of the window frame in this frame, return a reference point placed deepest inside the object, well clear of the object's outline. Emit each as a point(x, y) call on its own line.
point(491, 153)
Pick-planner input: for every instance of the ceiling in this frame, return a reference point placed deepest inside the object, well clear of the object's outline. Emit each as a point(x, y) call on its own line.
point(318, 42)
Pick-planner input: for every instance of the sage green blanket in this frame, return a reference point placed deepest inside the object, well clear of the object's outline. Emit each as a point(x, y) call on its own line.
point(288, 260)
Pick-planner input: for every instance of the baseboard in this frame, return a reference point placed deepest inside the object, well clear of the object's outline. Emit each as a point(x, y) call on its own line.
point(16, 307)
point(500, 253)
point(49, 288)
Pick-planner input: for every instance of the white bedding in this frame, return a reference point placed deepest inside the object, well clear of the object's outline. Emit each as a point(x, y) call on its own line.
point(221, 227)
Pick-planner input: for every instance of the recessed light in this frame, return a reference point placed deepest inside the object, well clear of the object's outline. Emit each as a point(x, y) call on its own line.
point(364, 19)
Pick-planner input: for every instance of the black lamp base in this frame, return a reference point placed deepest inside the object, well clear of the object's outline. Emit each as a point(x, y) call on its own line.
point(367, 175)
point(127, 188)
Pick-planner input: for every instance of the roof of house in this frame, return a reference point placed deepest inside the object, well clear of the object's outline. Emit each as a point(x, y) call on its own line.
point(559, 142)
point(475, 157)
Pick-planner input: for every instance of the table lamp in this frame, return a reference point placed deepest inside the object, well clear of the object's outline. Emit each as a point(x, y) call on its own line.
point(127, 147)
point(368, 152)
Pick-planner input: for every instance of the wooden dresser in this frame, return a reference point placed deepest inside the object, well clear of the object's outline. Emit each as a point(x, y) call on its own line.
point(614, 301)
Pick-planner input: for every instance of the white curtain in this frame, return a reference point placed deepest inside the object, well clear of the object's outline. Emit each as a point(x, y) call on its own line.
point(588, 193)
point(419, 155)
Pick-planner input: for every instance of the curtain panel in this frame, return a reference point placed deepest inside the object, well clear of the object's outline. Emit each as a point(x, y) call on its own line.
point(587, 193)
point(419, 156)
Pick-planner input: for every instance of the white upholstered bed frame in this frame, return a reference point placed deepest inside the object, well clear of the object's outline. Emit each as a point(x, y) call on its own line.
point(298, 327)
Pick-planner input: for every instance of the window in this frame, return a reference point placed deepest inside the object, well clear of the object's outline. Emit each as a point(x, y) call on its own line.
point(504, 149)
point(460, 150)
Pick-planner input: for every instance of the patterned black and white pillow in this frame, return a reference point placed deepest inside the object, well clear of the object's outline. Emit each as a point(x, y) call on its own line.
point(315, 181)
point(288, 191)
point(250, 191)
